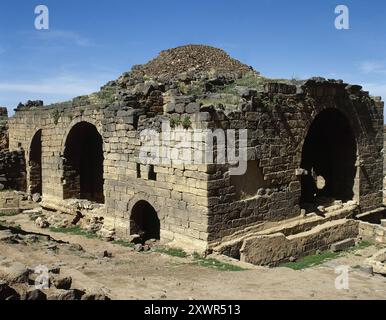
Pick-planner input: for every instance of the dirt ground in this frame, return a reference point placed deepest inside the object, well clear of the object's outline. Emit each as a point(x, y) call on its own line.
point(152, 275)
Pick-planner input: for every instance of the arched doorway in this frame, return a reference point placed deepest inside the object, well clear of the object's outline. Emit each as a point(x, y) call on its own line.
point(83, 163)
point(329, 156)
point(144, 221)
point(35, 164)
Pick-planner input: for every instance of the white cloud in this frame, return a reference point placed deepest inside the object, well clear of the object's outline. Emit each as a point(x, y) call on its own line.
point(65, 84)
point(51, 89)
point(376, 67)
point(46, 87)
point(65, 36)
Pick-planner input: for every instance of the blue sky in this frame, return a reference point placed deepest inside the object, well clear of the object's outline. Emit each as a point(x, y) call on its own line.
point(91, 42)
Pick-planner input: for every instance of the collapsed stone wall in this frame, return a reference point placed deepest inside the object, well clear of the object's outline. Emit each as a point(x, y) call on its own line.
point(277, 248)
point(373, 232)
point(278, 121)
point(12, 170)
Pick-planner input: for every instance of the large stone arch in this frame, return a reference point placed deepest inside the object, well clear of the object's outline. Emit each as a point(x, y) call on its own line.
point(329, 154)
point(96, 124)
point(83, 162)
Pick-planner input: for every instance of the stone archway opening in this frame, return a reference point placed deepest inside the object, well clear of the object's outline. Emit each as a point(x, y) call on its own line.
point(329, 157)
point(144, 221)
point(35, 164)
point(83, 163)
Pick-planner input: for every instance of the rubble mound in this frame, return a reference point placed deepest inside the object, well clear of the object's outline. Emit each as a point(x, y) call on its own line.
point(194, 58)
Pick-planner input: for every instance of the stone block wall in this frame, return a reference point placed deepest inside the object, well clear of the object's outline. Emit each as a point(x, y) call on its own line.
point(12, 170)
point(200, 203)
point(277, 248)
point(278, 121)
point(372, 232)
point(177, 193)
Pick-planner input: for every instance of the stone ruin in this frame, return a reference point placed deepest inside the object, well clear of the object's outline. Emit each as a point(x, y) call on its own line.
point(314, 157)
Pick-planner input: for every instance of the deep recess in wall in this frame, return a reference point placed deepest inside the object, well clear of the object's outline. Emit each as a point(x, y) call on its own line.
point(144, 221)
point(83, 168)
point(35, 164)
point(329, 151)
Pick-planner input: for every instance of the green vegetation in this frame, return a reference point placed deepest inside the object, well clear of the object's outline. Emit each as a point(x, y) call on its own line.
point(9, 214)
point(174, 252)
point(76, 230)
point(360, 245)
point(81, 101)
point(34, 216)
point(106, 95)
point(310, 261)
point(215, 264)
point(224, 99)
point(123, 243)
point(317, 259)
point(174, 122)
point(186, 122)
point(56, 116)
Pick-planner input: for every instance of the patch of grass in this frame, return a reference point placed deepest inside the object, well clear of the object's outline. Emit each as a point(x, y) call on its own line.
point(251, 80)
point(174, 252)
point(313, 260)
point(106, 95)
point(123, 243)
point(34, 216)
point(76, 230)
point(215, 264)
point(310, 261)
point(9, 214)
point(228, 99)
point(81, 101)
point(186, 122)
point(229, 89)
point(174, 122)
point(56, 116)
point(361, 245)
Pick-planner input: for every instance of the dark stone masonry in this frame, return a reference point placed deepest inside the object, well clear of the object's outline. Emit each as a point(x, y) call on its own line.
point(314, 147)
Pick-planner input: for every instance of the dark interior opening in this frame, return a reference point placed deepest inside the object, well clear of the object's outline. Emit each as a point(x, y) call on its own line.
point(152, 174)
point(329, 156)
point(144, 221)
point(83, 165)
point(35, 164)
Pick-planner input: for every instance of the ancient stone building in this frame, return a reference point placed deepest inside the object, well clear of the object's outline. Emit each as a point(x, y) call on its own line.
point(314, 156)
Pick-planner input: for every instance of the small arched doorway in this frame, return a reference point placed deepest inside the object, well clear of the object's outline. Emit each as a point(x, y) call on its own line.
point(144, 221)
point(83, 163)
point(35, 164)
point(329, 157)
